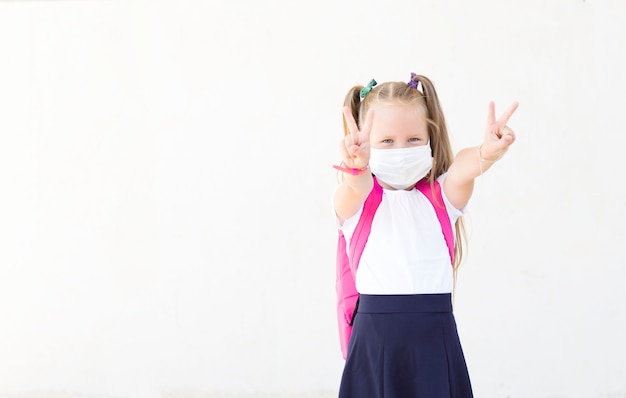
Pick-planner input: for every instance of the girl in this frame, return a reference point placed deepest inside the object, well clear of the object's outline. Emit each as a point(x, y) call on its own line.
point(404, 342)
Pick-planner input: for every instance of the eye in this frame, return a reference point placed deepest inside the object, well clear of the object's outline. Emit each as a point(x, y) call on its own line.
point(387, 141)
point(413, 139)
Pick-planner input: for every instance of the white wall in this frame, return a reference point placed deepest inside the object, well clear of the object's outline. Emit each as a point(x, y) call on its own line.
point(165, 184)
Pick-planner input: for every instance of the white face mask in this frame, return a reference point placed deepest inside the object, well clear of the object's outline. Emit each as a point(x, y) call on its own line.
point(403, 167)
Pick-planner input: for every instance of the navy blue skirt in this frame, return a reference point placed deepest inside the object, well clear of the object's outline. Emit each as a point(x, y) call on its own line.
point(405, 346)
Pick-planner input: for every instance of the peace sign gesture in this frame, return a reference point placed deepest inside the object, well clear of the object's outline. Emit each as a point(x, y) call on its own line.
point(355, 146)
point(498, 136)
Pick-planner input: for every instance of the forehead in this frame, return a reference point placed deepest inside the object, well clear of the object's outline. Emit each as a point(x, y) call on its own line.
point(399, 119)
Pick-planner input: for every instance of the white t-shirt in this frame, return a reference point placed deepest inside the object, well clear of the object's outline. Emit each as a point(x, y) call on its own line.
point(406, 252)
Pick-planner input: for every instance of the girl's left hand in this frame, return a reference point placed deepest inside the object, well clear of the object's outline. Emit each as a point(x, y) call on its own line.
point(498, 136)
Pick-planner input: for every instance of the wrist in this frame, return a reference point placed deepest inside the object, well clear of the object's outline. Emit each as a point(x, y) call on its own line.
point(486, 159)
point(355, 171)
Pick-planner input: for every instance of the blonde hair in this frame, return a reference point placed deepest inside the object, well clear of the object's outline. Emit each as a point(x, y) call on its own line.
point(426, 101)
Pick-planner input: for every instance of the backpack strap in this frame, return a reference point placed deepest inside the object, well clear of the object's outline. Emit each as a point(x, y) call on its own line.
point(434, 196)
point(361, 233)
point(364, 226)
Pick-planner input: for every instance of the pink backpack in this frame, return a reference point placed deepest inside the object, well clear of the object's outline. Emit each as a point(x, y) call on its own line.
point(347, 296)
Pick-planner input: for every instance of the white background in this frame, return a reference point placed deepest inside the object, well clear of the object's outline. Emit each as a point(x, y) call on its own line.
point(166, 181)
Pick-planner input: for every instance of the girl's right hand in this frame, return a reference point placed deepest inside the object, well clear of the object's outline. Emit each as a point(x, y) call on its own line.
point(355, 147)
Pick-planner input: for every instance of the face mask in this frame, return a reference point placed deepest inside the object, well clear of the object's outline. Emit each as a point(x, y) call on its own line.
point(401, 168)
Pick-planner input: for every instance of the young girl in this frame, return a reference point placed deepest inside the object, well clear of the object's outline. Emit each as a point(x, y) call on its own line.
point(404, 342)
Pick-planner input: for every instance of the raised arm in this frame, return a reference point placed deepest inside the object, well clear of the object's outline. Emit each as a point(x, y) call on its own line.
point(469, 163)
point(355, 151)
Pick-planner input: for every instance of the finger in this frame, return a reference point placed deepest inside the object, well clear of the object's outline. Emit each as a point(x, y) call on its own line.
point(507, 115)
point(502, 132)
point(504, 138)
point(497, 131)
point(491, 114)
point(349, 152)
point(509, 136)
point(352, 126)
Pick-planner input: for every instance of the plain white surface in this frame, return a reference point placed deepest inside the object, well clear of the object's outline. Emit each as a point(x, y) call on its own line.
point(165, 177)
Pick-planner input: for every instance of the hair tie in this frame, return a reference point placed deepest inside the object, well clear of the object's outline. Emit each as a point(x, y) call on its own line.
point(366, 90)
point(415, 84)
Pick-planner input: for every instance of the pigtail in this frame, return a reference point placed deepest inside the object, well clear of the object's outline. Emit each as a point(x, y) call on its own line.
point(442, 153)
point(353, 101)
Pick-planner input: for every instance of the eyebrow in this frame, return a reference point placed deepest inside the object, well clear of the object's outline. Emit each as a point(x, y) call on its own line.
point(414, 135)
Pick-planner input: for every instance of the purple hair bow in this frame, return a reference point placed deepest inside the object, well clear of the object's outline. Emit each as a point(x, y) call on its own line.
point(416, 85)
